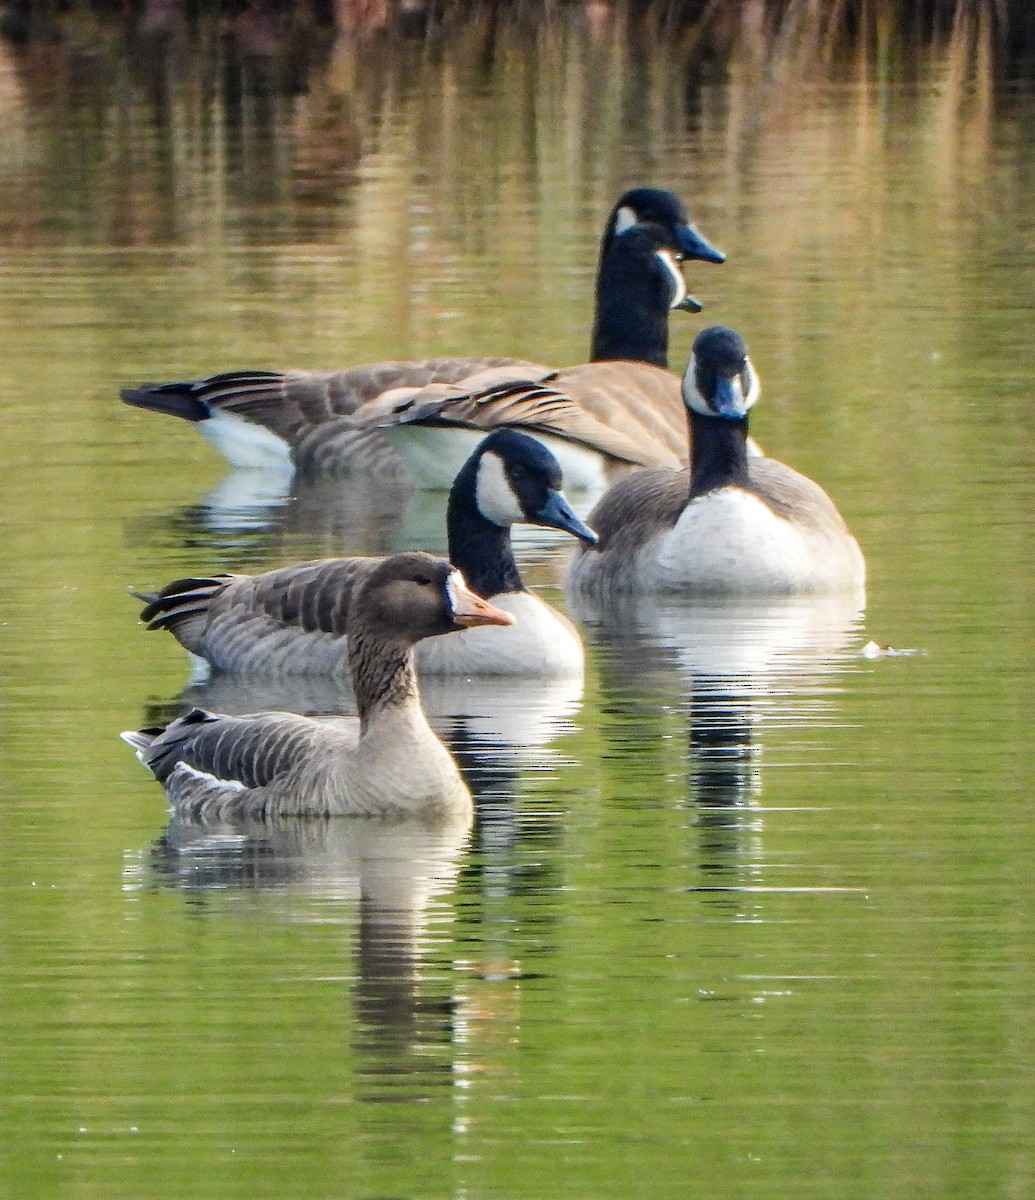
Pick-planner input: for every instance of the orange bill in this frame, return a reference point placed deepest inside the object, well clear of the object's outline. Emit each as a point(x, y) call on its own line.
point(470, 609)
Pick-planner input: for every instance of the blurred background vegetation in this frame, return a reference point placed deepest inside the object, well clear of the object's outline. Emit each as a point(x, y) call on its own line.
point(822, 24)
point(191, 119)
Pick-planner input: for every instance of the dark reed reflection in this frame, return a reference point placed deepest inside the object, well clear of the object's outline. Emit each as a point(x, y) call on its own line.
point(258, 119)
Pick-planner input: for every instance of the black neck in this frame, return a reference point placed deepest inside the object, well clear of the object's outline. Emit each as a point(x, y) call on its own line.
point(718, 452)
point(382, 674)
point(479, 548)
point(632, 307)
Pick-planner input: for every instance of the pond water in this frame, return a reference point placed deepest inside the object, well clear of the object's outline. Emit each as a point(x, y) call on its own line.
point(750, 913)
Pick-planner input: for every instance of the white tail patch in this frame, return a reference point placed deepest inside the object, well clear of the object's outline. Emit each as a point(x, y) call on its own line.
point(138, 742)
point(208, 778)
point(243, 443)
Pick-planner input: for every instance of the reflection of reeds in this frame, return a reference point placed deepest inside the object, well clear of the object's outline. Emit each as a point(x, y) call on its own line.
point(819, 31)
point(193, 132)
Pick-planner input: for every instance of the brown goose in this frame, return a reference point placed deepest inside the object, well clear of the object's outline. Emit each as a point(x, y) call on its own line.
point(733, 523)
point(389, 763)
point(327, 421)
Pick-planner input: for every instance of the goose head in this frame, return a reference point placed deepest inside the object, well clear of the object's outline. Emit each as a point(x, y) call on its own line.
point(720, 380)
point(638, 285)
point(513, 478)
point(667, 213)
point(415, 595)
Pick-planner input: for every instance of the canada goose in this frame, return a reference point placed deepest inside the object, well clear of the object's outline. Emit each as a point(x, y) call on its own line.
point(279, 764)
point(294, 620)
point(602, 418)
point(326, 421)
point(731, 524)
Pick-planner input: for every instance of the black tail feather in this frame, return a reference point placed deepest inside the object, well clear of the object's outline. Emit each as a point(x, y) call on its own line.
point(173, 399)
point(180, 601)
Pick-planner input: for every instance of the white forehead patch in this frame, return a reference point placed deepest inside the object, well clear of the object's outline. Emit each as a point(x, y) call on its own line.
point(625, 218)
point(454, 585)
point(494, 495)
point(679, 287)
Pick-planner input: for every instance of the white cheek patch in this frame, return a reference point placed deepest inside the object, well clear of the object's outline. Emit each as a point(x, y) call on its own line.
point(754, 387)
point(692, 398)
point(625, 218)
point(494, 495)
point(679, 287)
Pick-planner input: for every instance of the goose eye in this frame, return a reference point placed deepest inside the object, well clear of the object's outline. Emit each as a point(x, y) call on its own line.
point(423, 580)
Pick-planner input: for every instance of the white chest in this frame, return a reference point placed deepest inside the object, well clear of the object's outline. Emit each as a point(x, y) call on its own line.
point(730, 542)
point(399, 768)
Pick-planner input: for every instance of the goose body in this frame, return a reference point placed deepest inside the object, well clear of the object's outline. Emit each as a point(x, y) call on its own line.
point(388, 762)
point(733, 523)
point(600, 419)
point(332, 421)
point(294, 620)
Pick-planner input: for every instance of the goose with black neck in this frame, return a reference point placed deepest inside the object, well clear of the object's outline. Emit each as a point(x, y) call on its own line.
point(294, 620)
point(328, 422)
point(733, 523)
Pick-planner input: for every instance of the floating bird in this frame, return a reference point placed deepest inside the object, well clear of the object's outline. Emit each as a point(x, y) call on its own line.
point(733, 523)
point(319, 422)
point(294, 620)
point(388, 762)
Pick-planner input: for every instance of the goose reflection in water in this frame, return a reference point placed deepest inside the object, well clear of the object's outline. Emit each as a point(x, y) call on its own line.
point(486, 726)
point(732, 669)
point(254, 516)
point(399, 874)
point(498, 736)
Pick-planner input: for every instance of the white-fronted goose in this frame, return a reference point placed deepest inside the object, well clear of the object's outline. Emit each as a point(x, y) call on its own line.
point(388, 763)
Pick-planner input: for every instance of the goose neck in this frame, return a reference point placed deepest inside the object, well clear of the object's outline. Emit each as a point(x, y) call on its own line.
point(383, 675)
point(718, 452)
point(481, 550)
point(630, 321)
